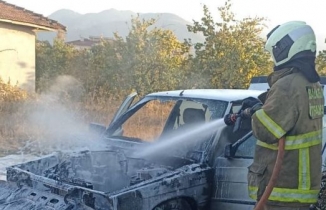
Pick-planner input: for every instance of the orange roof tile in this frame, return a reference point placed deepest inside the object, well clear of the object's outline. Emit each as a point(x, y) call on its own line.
point(14, 13)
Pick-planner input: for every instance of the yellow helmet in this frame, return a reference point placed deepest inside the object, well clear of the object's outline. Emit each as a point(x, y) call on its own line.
point(291, 40)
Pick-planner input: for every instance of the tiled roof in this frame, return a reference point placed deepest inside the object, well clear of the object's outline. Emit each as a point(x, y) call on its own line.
point(14, 13)
point(85, 42)
point(88, 42)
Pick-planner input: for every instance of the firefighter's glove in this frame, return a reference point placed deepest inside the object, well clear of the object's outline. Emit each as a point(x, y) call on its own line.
point(230, 119)
point(249, 102)
point(248, 112)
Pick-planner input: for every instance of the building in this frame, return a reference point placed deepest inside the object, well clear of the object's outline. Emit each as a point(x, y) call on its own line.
point(18, 28)
point(87, 43)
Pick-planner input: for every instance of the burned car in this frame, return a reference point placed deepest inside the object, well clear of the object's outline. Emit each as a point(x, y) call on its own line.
point(168, 151)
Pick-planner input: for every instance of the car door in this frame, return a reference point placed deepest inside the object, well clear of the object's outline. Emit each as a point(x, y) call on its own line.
point(100, 129)
point(230, 179)
point(124, 106)
point(324, 144)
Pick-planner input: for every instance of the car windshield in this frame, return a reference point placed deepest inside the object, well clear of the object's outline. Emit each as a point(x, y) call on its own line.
point(156, 119)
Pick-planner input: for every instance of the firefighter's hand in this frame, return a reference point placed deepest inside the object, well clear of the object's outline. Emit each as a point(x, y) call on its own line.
point(245, 113)
point(230, 119)
point(248, 112)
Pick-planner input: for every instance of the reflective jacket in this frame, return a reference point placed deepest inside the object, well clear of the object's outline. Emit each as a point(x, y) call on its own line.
point(294, 109)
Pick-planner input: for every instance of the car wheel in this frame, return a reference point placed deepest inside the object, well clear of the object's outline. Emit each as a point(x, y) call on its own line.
point(178, 204)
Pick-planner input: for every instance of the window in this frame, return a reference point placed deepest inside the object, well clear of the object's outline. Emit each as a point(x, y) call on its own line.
point(154, 118)
point(324, 130)
point(236, 108)
point(324, 141)
point(148, 122)
point(192, 112)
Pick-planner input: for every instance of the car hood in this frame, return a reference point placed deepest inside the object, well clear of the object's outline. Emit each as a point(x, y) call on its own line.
point(106, 170)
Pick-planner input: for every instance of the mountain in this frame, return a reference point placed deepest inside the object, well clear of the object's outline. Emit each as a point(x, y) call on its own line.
point(107, 22)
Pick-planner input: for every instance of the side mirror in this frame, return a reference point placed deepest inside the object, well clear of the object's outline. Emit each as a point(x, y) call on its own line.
point(231, 149)
point(97, 128)
point(228, 151)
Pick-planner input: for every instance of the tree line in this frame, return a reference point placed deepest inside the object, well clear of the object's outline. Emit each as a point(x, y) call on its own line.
point(155, 60)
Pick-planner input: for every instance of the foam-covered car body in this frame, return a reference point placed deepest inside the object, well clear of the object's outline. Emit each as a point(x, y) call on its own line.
point(146, 164)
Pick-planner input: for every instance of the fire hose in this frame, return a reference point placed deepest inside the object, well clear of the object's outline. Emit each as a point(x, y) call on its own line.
point(236, 120)
point(276, 170)
point(277, 167)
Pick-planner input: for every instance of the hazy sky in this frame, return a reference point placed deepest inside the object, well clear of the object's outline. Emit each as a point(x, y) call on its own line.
point(277, 11)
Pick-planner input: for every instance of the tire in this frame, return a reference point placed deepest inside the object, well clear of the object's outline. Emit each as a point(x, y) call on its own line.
point(178, 204)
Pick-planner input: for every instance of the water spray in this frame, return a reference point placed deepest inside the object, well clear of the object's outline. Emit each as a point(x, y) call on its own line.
point(183, 137)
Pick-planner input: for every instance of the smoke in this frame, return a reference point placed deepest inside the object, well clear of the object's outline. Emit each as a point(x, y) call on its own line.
point(58, 120)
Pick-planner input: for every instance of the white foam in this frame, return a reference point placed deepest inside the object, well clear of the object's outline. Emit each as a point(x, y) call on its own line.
point(13, 160)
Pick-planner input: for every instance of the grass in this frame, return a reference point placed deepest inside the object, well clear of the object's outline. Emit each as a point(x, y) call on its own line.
point(33, 121)
point(148, 122)
point(24, 116)
point(30, 119)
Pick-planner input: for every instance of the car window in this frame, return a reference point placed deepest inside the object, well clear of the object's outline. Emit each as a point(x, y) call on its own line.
point(247, 148)
point(324, 141)
point(148, 122)
point(191, 112)
point(235, 108)
point(324, 130)
point(163, 115)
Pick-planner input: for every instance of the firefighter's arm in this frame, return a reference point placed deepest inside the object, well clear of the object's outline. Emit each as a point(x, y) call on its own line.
point(276, 117)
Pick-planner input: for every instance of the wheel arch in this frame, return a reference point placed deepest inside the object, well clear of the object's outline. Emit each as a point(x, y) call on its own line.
point(191, 201)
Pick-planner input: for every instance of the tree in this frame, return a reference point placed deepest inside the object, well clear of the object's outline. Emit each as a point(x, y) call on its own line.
point(321, 62)
point(153, 59)
point(149, 59)
point(233, 51)
point(52, 61)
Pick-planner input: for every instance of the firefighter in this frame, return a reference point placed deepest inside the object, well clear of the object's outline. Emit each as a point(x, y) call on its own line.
point(293, 109)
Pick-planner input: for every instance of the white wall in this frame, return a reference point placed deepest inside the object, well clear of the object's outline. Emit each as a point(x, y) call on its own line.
point(17, 55)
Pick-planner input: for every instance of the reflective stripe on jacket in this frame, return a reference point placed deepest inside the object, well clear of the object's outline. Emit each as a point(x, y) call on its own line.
point(292, 109)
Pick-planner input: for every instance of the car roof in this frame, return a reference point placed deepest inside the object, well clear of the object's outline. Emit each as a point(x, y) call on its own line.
point(217, 94)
